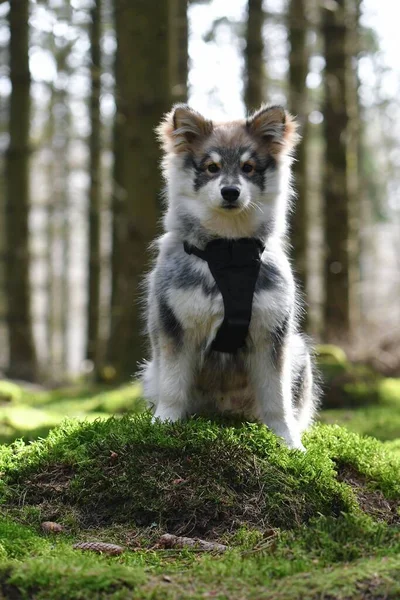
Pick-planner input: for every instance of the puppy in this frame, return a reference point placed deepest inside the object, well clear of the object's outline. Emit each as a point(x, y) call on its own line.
point(228, 185)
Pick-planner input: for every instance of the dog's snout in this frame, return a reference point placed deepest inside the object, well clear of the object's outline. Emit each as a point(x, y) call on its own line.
point(230, 193)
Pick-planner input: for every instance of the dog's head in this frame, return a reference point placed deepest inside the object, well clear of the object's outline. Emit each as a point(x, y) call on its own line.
point(226, 172)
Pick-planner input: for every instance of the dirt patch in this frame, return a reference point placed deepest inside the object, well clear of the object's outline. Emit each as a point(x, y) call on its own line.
point(54, 480)
point(368, 589)
point(372, 502)
point(8, 591)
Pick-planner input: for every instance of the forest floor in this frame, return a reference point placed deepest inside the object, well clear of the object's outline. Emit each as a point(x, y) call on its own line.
point(320, 525)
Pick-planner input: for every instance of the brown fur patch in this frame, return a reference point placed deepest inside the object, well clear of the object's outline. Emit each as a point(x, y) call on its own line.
point(183, 128)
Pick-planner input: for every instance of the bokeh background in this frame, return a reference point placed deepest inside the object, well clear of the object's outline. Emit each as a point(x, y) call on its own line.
point(82, 86)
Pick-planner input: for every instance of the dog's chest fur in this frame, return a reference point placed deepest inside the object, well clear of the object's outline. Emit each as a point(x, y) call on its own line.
point(221, 381)
point(193, 295)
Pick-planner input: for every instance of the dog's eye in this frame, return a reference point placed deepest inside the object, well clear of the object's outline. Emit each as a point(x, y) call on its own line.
point(213, 168)
point(247, 168)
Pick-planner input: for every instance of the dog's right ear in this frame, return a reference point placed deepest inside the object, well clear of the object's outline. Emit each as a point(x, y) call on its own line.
point(182, 128)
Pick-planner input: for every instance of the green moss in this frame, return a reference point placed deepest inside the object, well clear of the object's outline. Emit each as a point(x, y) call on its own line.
point(329, 353)
point(307, 563)
point(9, 392)
point(382, 421)
point(68, 575)
point(352, 385)
point(32, 414)
point(389, 392)
point(296, 523)
point(393, 447)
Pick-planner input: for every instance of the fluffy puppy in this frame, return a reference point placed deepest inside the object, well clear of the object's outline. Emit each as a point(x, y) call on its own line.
point(227, 181)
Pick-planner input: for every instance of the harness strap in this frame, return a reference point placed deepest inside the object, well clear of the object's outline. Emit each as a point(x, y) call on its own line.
point(235, 266)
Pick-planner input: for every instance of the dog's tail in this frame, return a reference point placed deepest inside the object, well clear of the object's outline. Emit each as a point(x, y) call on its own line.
point(304, 385)
point(148, 375)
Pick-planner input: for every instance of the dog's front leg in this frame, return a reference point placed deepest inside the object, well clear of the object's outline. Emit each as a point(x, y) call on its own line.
point(270, 376)
point(175, 379)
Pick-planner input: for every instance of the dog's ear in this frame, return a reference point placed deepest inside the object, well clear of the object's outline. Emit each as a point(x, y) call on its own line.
point(182, 128)
point(275, 127)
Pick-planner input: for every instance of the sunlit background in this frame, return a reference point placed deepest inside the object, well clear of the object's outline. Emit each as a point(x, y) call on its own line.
point(59, 173)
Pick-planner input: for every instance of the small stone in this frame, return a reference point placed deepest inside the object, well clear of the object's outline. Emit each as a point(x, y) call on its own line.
point(52, 527)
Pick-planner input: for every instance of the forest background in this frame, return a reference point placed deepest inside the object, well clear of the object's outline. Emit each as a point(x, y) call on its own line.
point(83, 85)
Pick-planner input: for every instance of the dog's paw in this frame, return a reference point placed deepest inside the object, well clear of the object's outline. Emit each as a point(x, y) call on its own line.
point(167, 415)
point(299, 446)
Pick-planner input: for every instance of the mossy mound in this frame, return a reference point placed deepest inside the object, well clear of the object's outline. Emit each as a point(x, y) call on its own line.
point(282, 513)
point(196, 477)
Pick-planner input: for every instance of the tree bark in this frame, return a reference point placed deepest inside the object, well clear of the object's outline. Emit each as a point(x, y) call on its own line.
point(339, 236)
point(51, 235)
point(178, 53)
point(93, 308)
point(298, 105)
point(254, 56)
point(22, 355)
point(353, 156)
point(142, 96)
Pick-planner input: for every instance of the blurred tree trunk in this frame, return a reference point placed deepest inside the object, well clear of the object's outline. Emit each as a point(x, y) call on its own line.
point(340, 174)
point(254, 56)
point(93, 308)
point(298, 105)
point(62, 214)
point(118, 206)
point(354, 155)
point(22, 355)
point(142, 96)
point(178, 52)
point(50, 242)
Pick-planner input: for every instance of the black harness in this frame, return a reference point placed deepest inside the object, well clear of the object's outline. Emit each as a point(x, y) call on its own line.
point(235, 265)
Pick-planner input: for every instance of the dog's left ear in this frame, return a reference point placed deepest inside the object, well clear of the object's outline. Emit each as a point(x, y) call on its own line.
point(275, 127)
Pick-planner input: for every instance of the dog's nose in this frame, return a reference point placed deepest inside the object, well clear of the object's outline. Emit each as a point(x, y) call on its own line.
point(230, 193)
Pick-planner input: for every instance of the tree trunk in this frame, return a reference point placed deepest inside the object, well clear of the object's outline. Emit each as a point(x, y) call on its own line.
point(51, 235)
point(298, 105)
point(254, 56)
point(353, 156)
point(339, 263)
point(142, 96)
point(92, 349)
point(22, 355)
point(62, 217)
point(178, 53)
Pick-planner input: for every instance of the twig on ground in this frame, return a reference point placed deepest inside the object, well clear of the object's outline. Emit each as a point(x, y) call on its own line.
point(168, 541)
